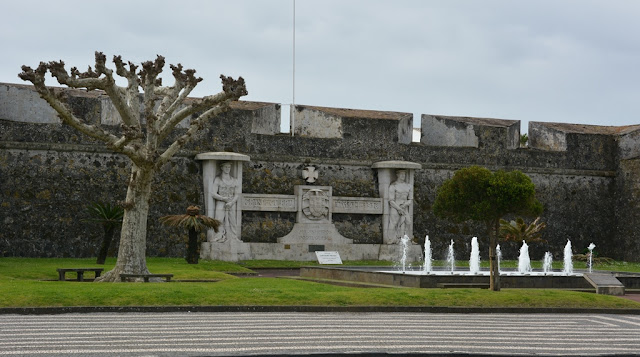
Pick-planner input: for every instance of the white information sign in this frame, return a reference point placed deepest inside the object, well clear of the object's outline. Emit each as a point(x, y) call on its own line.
point(328, 257)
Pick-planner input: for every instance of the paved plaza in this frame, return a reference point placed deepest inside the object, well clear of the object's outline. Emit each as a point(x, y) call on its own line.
point(235, 334)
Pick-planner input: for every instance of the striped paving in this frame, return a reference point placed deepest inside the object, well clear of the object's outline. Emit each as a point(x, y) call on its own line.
point(225, 334)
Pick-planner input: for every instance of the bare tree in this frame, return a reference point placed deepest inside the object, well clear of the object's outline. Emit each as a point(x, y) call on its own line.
point(142, 132)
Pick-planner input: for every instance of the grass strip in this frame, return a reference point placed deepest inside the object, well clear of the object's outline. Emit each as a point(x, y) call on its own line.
point(274, 291)
point(31, 282)
point(45, 268)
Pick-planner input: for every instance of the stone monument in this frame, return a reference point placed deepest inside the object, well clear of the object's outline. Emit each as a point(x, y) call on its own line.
point(222, 180)
point(314, 206)
point(395, 184)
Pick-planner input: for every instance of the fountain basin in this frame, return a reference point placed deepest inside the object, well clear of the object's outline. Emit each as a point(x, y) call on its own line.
point(418, 279)
point(481, 273)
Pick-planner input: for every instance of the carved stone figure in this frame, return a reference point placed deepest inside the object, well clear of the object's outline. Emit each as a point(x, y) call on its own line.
point(225, 190)
point(400, 197)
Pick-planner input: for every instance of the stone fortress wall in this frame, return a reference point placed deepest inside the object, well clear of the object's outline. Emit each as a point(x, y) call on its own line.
point(587, 177)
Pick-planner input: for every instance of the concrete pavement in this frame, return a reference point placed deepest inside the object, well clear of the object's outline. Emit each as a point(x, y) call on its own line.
point(289, 333)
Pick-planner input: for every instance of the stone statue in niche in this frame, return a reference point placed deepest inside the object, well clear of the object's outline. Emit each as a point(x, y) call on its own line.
point(400, 199)
point(225, 191)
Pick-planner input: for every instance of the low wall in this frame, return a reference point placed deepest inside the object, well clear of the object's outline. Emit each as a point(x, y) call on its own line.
point(367, 275)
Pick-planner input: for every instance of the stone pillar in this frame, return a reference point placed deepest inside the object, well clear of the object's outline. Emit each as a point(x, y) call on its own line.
point(218, 247)
point(388, 175)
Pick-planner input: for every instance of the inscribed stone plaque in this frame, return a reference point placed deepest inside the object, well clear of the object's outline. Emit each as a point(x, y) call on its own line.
point(362, 205)
point(328, 258)
point(264, 202)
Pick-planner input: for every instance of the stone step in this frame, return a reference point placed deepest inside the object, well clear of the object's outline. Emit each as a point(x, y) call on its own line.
point(605, 284)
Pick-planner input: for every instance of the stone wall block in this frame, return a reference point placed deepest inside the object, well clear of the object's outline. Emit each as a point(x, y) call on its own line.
point(629, 145)
point(543, 137)
point(439, 131)
point(352, 124)
point(266, 120)
point(23, 104)
point(448, 131)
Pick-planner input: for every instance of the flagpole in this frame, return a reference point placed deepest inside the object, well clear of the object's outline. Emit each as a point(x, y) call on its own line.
point(292, 114)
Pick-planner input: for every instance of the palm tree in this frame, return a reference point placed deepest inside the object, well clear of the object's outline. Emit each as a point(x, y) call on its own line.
point(518, 230)
point(109, 217)
point(196, 223)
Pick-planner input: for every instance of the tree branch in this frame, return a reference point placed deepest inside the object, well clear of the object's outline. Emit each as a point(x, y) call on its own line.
point(150, 81)
point(196, 125)
point(67, 117)
point(89, 79)
point(185, 82)
point(125, 100)
point(231, 90)
point(160, 122)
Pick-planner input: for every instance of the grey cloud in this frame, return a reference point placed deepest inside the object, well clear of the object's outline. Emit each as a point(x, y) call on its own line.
point(546, 60)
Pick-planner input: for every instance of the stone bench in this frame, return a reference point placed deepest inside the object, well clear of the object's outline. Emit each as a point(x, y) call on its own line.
point(463, 285)
point(62, 272)
point(146, 277)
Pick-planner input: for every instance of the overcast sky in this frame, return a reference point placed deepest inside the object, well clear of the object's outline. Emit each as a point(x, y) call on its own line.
point(557, 60)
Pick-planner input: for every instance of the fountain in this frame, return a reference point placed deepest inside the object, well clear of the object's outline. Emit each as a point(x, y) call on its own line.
point(451, 259)
point(498, 256)
point(547, 266)
point(405, 246)
point(427, 255)
point(568, 255)
point(428, 276)
point(524, 262)
point(474, 259)
point(590, 247)
point(449, 268)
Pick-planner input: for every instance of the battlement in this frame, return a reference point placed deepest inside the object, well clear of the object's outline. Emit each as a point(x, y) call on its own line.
point(323, 122)
point(20, 103)
point(562, 136)
point(440, 130)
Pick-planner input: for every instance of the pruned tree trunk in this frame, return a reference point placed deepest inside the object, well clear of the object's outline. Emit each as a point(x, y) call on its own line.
point(133, 242)
point(162, 108)
point(494, 272)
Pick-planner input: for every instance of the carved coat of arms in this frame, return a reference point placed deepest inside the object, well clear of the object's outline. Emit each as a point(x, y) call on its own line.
point(315, 204)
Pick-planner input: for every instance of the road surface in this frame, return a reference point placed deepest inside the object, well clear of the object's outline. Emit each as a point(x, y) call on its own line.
point(236, 334)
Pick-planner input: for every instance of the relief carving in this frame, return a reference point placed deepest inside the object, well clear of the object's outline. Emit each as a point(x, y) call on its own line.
point(315, 204)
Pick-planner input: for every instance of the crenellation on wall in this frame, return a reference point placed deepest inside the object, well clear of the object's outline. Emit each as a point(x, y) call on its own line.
point(629, 142)
point(545, 137)
point(439, 130)
point(23, 104)
point(563, 137)
point(323, 122)
point(265, 117)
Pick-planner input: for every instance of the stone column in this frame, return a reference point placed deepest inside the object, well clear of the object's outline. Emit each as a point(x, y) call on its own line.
point(229, 248)
point(387, 175)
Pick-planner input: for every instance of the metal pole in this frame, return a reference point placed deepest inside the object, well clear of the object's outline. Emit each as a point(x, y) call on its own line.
point(292, 111)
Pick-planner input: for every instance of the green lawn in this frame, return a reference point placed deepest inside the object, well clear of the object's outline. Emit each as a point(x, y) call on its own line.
point(30, 283)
